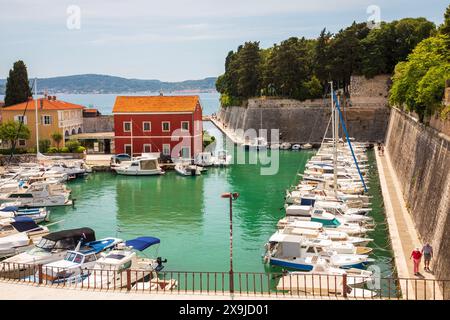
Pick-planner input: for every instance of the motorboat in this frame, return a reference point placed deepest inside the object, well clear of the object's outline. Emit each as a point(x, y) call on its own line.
point(73, 169)
point(111, 269)
point(11, 211)
point(40, 194)
point(285, 146)
point(117, 159)
point(141, 166)
point(204, 159)
point(187, 169)
point(292, 251)
point(76, 264)
point(306, 146)
point(222, 159)
point(9, 226)
point(52, 247)
point(20, 236)
point(309, 213)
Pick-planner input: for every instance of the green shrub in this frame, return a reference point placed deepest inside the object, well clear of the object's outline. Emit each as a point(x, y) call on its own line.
point(64, 150)
point(16, 151)
point(80, 149)
point(30, 150)
point(52, 150)
point(72, 145)
point(44, 145)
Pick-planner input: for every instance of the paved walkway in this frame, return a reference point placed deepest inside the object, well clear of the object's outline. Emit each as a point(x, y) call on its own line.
point(229, 133)
point(403, 234)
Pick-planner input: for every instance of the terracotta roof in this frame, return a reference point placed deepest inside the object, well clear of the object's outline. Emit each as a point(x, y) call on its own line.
point(90, 110)
point(47, 105)
point(155, 104)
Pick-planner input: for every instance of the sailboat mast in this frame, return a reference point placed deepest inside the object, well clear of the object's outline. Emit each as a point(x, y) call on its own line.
point(334, 130)
point(131, 155)
point(36, 115)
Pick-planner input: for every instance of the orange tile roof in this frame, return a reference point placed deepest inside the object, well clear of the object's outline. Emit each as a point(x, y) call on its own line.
point(47, 105)
point(155, 104)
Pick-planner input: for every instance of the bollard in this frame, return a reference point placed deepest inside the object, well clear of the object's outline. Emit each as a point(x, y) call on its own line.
point(40, 274)
point(128, 279)
point(344, 285)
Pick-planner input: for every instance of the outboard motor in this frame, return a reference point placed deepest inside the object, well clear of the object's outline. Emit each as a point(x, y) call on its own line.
point(160, 262)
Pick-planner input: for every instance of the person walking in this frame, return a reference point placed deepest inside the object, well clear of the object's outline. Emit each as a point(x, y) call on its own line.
point(427, 252)
point(416, 255)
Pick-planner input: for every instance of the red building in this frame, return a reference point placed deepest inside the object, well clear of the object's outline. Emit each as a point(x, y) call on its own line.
point(171, 125)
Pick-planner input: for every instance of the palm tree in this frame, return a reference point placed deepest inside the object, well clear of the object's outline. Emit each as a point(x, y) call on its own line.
point(57, 137)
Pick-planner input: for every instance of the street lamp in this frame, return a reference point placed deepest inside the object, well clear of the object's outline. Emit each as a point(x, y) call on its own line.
point(232, 196)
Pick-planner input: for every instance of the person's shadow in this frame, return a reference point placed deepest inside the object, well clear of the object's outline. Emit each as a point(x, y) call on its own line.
point(420, 275)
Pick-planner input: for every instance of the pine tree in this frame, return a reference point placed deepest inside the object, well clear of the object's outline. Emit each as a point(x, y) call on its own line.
point(17, 85)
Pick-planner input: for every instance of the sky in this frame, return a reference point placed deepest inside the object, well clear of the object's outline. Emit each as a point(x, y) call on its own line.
point(170, 40)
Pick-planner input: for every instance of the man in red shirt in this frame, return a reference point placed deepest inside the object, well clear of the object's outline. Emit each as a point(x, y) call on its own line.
point(416, 255)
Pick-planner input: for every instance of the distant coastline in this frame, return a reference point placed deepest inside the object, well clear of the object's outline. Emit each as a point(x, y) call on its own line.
point(98, 84)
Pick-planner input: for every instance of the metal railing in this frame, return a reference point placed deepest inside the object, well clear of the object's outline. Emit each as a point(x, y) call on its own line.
point(258, 284)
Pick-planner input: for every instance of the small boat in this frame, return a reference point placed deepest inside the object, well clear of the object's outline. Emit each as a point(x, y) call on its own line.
point(296, 146)
point(309, 213)
point(10, 210)
point(52, 247)
point(285, 146)
point(40, 194)
point(117, 159)
point(204, 159)
point(10, 226)
point(110, 270)
point(295, 252)
point(187, 169)
point(141, 166)
point(306, 146)
point(223, 159)
point(274, 146)
point(22, 236)
point(76, 264)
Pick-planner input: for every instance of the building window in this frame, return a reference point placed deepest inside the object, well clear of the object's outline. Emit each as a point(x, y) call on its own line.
point(47, 120)
point(22, 119)
point(165, 126)
point(147, 148)
point(146, 126)
point(184, 125)
point(127, 126)
point(166, 149)
point(22, 142)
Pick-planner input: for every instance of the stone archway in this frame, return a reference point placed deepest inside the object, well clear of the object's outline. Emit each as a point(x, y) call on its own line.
point(74, 131)
point(79, 130)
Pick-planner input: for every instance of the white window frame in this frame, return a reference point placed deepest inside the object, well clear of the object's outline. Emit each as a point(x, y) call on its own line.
point(43, 120)
point(185, 130)
point(17, 118)
point(125, 148)
point(164, 146)
point(124, 123)
point(149, 125)
point(189, 152)
point(146, 145)
point(162, 126)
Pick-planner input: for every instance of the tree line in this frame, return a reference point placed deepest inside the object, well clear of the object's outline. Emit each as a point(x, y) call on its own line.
point(300, 68)
point(419, 82)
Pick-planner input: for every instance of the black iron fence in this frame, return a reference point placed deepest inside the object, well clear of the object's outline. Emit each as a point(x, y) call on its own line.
point(295, 285)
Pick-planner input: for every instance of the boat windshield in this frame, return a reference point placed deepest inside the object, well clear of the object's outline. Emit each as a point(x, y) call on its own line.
point(46, 244)
point(74, 257)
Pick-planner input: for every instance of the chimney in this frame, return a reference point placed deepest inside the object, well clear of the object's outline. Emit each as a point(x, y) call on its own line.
point(54, 98)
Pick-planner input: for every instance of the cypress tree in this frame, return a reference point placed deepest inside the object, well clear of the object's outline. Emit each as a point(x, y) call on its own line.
point(17, 85)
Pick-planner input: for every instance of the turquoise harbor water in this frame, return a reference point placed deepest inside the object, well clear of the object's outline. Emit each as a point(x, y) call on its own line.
point(191, 219)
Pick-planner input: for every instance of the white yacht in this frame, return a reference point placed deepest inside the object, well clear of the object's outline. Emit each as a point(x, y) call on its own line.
point(140, 166)
point(40, 194)
point(187, 169)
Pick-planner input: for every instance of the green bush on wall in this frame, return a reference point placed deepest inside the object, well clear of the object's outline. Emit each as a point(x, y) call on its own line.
point(64, 150)
point(80, 149)
point(52, 150)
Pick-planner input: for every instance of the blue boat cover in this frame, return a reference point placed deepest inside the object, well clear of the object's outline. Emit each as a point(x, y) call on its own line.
point(22, 224)
point(9, 209)
point(142, 243)
point(96, 246)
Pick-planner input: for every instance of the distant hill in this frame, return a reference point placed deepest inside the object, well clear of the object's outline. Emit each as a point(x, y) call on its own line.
point(96, 83)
